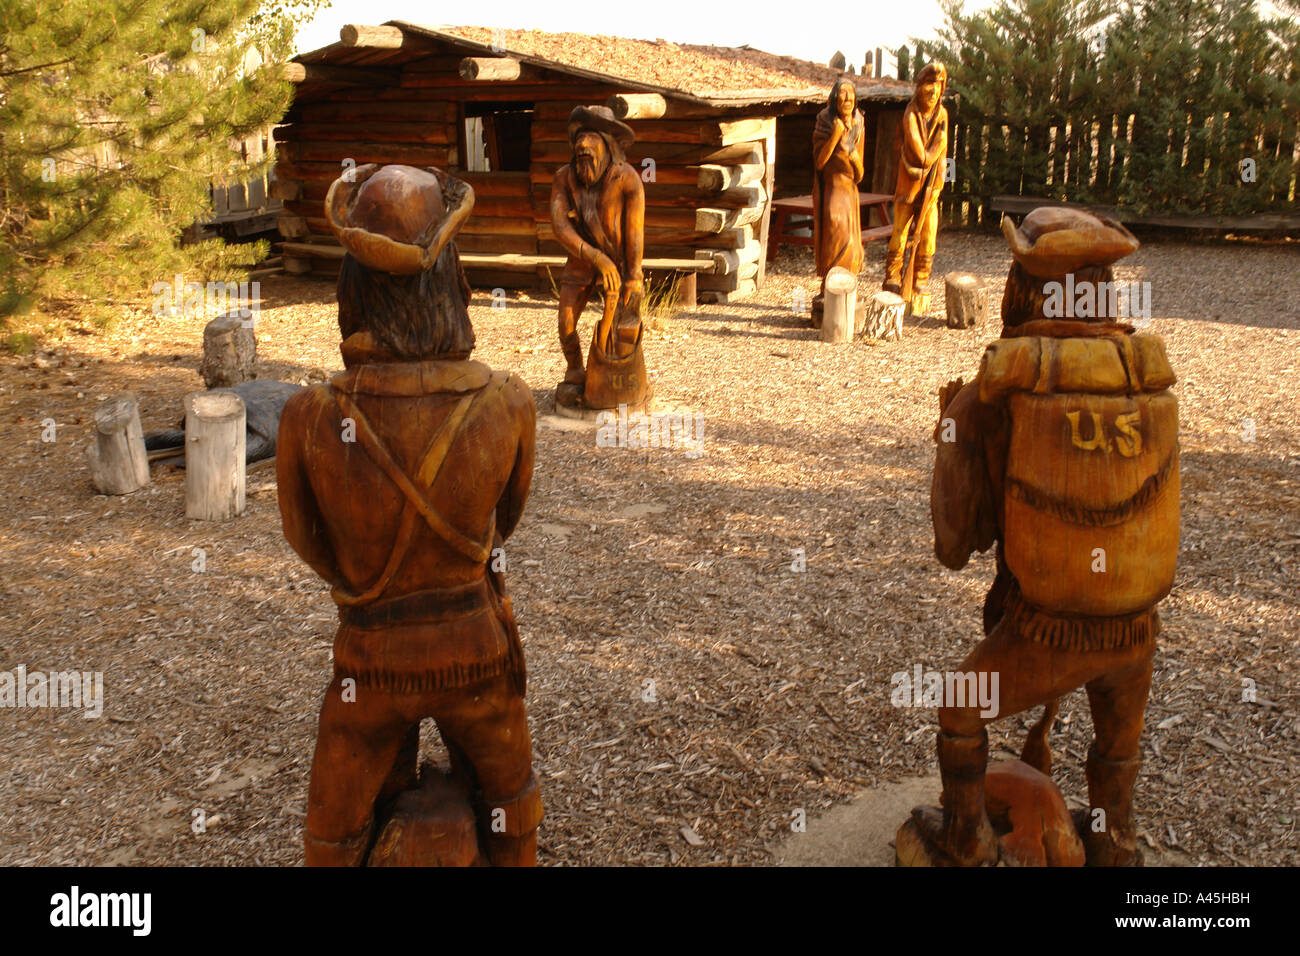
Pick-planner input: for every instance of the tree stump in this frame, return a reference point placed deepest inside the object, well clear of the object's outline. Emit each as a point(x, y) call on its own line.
point(840, 305)
point(119, 463)
point(884, 316)
point(432, 824)
point(229, 351)
point(214, 455)
point(967, 300)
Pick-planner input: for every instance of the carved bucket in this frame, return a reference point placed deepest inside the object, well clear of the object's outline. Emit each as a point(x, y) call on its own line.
point(614, 382)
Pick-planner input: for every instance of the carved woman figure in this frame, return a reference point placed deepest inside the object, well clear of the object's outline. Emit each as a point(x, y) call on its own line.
point(838, 140)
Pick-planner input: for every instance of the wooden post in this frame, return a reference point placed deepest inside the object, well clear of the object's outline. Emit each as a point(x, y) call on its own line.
point(884, 316)
point(965, 300)
point(841, 305)
point(229, 351)
point(119, 463)
point(214, 455)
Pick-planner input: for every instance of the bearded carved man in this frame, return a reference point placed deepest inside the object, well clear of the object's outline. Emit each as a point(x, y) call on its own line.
point(598, 214)
point(924, 144)
point(838, 144)
point(398, 482)
point(1063, 453)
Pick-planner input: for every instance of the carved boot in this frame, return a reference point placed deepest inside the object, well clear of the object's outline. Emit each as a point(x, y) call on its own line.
point(963, 833)
point(894, 273)
point(921, 276)
point(350, 851)
point(1112, 840)
point(510, 827)
point(572, 346)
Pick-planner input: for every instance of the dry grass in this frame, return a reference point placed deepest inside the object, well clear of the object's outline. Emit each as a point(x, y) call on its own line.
point(771, 688)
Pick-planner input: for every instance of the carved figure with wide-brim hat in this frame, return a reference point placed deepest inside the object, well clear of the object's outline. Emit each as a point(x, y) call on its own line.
point(399, 481)
point(598, 214)
point(1063, 456)
point(397, 219)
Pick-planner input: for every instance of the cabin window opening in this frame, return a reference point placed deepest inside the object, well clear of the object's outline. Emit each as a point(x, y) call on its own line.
point(497, 137)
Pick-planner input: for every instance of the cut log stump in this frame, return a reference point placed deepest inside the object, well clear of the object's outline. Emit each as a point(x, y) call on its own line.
point(840, 305)
point(229, 351)
point(214, 455)
point(884, 316)
point(432, 824)
point(119, 463)
point(967, 300)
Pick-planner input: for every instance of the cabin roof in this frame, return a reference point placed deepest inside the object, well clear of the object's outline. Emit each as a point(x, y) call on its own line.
point(717, 76)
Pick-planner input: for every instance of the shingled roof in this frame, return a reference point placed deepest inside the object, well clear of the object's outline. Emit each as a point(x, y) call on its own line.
point(700, 72)
point(718, 76)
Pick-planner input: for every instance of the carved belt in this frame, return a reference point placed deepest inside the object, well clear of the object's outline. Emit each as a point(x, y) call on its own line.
point(432, 606)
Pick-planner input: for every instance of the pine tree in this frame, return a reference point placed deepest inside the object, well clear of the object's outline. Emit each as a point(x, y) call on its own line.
point(1208, 91)
point(1021, 70)
point(114, 118)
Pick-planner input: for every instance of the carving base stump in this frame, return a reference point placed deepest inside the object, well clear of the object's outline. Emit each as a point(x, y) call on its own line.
point(840, 306)
point(229, 351)
point(966, 300)
point(1034, 826)
point(118, 461)
point(569, 404)
point(430, 825)
point(884, 318)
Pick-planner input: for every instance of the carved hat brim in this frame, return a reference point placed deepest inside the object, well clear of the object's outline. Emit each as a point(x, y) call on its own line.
point(383, 253)
point(1052, 242)
point(600, 119)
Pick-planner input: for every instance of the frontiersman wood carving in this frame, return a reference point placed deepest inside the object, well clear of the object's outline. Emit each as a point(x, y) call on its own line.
point(398, 483)
point(923, 139)
point(838, 144)
point(598, 214)
point(1063, 453)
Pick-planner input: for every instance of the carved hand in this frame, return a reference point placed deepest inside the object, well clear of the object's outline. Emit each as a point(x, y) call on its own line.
point(609, 277)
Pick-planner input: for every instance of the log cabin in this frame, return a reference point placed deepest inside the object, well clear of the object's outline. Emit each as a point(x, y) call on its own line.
point(720, 133)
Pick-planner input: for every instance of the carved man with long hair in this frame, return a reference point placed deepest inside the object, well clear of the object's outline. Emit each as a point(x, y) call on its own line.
point(399, 480)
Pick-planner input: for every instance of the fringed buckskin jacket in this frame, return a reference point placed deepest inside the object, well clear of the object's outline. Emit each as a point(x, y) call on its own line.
point(396, 482)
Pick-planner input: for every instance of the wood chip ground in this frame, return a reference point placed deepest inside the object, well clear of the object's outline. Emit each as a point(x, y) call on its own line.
point(689, 693)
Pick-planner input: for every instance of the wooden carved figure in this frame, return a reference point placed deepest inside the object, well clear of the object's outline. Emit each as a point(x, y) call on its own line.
point(598, 214)
point(923, 138)
point(1063, 453)
point(838, 143)
point(398, 482)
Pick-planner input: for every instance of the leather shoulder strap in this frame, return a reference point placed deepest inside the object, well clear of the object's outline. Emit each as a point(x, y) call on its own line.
point(428, 470)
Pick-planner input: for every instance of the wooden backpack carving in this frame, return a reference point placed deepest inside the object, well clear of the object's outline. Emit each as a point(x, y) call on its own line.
point(1090, 511)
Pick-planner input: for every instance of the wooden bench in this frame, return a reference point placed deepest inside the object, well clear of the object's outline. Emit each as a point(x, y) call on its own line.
point(520, 262)
point(687, 268)
point(796, 212)
point(1260, 222)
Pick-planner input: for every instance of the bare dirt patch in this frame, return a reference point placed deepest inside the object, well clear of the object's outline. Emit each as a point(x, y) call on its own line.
point(770, 688)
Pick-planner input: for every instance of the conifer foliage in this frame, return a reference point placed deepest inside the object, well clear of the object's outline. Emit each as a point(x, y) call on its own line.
point(1173, 106)
point(114, 118)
